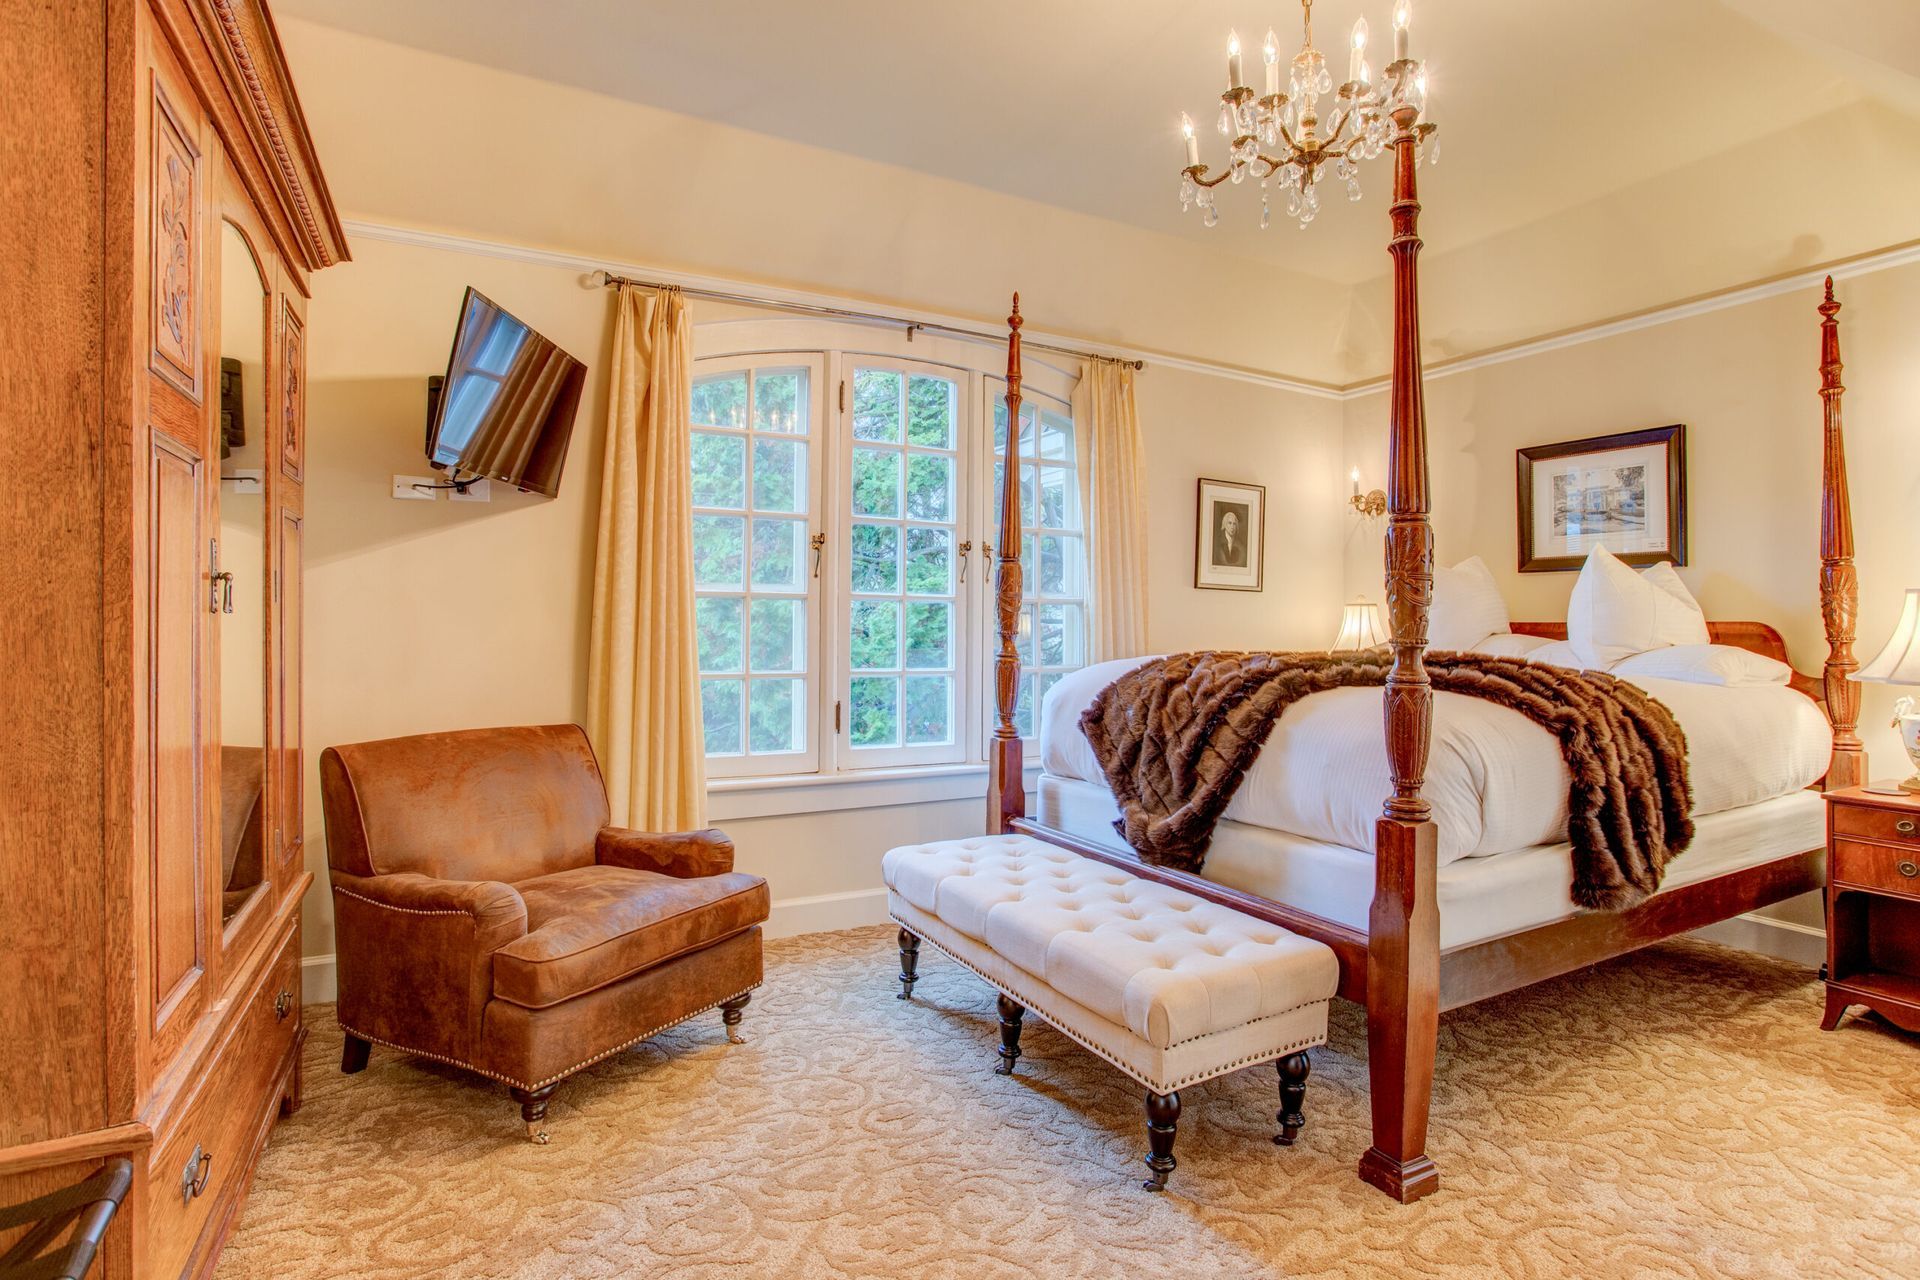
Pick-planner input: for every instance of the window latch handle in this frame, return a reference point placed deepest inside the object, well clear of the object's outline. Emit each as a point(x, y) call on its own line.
point(966, 549)
point(818, 542)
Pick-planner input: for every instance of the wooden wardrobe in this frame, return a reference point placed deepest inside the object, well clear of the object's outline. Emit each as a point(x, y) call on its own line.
point(161, 212)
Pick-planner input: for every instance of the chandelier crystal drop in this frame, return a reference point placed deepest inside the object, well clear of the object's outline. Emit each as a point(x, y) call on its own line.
point(1293, 137)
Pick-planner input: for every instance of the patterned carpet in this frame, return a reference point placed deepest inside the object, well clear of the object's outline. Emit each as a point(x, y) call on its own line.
point(1676, 1113)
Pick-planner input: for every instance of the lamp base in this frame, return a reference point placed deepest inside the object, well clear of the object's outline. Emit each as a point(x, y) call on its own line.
point(1889, 787)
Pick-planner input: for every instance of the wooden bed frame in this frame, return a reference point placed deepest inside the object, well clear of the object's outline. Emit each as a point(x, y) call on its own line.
point(1397, 968)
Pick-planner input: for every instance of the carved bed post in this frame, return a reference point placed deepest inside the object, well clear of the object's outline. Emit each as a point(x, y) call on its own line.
point(1839, 587)
point(1006, 779)
point(1403, 944)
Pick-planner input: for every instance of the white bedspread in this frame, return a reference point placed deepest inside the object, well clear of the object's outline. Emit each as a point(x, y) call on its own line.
point(1496, 780)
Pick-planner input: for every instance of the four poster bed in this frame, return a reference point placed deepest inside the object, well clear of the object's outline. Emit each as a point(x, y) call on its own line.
point(1395, 955)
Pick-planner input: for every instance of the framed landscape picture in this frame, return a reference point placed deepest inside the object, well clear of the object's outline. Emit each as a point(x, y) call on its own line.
point(1626, 492)
point(1230, 536)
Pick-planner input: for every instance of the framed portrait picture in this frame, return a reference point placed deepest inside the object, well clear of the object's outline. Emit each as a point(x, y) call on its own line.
point(1230, 536)
point(1627, 492)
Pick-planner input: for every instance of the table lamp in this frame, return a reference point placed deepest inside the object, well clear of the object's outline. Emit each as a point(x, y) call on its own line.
point(1899, 663)
point(1360, 627)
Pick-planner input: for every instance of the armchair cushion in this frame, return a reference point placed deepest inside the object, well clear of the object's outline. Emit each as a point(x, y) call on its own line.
point(590, 926)
point(677, 853)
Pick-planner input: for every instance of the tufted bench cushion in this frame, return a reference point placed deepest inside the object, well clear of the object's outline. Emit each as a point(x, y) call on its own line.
point(1169, 987)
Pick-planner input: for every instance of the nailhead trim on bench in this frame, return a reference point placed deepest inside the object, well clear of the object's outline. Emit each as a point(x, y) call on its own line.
point(1058, 1024)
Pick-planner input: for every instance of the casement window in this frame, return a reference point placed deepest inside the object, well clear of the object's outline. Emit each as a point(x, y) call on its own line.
point(1053, 627)
point(845, 507)
point(756, 500)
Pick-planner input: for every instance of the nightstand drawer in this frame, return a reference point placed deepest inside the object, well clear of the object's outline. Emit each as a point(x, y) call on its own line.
point(1867, 867)
point(1868, 823)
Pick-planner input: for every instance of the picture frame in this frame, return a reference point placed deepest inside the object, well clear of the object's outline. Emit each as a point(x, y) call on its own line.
point(1626, 491)
point(1229, 535)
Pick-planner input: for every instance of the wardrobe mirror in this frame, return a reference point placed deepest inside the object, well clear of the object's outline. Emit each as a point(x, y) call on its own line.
point(240, 585)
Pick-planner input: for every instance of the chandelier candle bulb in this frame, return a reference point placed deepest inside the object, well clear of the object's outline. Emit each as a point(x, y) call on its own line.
point(1402, 19)
point(1233, 61)
point(1271, 50)
point(1193, 143)
point(1357, 63)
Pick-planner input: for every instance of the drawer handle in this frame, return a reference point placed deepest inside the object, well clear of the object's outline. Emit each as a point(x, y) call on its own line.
point(282, 1006)
point(1909, 869)
point(193, 1178)
point(1904, 826)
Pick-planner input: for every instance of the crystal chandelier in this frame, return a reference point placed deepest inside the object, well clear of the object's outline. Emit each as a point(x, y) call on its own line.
point(1285, 140)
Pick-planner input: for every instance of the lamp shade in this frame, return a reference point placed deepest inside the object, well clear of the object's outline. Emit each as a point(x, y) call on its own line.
point(1899, 661)
point(1360, 627)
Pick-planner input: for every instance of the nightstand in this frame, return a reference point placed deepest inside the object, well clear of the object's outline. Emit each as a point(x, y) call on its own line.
point(1873, 906)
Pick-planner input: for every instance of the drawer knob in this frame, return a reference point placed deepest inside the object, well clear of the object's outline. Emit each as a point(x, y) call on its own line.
point(282, 1006)
point(193, 1178)
point(1904, 826)
point(1909, 869)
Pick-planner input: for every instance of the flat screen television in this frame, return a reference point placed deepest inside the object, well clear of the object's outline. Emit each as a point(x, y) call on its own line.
point(506, 407)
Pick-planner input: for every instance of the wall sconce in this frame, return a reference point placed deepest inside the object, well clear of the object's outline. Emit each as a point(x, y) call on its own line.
point(1360, 626)
point(1371, 503)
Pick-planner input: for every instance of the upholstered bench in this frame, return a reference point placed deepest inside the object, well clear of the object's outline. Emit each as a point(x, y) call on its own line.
point(1166, 986)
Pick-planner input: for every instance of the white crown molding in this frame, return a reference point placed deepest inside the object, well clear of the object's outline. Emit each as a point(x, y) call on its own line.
point(1867, 264)
point(393, 233)
point(1885, 259)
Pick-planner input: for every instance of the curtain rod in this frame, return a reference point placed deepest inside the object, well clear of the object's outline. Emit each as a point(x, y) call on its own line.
point(606, 279)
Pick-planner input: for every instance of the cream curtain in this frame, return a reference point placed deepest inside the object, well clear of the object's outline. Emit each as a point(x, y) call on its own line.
point(1112, 472)
point(643, 674)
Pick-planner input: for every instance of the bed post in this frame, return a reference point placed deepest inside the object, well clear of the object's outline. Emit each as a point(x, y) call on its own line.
point(1006, 778)
point(1839, 587)
point(1403, 943)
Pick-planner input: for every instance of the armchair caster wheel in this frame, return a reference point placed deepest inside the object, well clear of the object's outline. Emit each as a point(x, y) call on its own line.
point(730, 1011)
point(533, 1109)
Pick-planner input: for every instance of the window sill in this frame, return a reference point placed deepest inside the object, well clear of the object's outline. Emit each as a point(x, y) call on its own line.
point(776, 796)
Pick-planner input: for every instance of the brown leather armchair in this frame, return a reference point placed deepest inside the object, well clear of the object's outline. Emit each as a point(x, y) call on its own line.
point(486, 915)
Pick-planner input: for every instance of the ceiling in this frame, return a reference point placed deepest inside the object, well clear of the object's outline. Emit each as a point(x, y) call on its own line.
point(1544, 105)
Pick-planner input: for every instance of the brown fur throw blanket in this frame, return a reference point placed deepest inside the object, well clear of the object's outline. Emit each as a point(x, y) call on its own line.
point(1175, 738)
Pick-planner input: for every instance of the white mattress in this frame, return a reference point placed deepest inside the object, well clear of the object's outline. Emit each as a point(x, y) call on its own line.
point(1480, 898)
point(1496, 780)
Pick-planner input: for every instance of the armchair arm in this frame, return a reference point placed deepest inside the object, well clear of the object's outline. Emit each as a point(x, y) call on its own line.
point(415, 956)
point(686, 854)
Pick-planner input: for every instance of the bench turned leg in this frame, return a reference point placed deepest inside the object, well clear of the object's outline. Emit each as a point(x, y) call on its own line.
point(730, 1011)
point(353, 1054)
point(1294, 1070)
point(909, 963)
point(533, 1109)
point(1163, 1114)
point(1010, 1016)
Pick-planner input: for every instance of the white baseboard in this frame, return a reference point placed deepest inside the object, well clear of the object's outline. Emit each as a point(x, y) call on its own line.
point(1781, 939)
point(820, 913)
point(825, 912)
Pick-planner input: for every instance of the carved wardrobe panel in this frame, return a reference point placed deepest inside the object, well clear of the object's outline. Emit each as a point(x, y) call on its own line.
point(153, 306)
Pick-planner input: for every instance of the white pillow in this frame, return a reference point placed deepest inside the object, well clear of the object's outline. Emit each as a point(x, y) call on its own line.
point(1467, 606)
point(1560, 653)
point(1510, 644)
point(1615, 612)
point(1707, 664)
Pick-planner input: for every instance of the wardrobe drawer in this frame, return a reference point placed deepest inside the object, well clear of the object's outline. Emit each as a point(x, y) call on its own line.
point(1869, 823)
point(1866, 866)
point(207, 1157)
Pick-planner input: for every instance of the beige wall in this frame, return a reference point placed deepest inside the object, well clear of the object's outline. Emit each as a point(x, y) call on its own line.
point(425, 616)
point(1744, 382)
